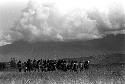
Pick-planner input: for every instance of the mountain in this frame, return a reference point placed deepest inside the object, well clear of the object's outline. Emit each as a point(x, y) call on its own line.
point(107, 59)
point(80, 59)
point(113, 58)
point(70, 49)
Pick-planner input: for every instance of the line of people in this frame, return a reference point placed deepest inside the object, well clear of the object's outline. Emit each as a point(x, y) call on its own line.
point(51, 65)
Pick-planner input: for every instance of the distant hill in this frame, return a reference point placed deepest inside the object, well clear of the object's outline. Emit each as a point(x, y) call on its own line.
point(113, 58)
point(107, 59)
point(82, 59)
point(71, 49)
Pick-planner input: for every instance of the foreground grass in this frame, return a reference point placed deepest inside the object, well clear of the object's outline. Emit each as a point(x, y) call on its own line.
point(113, 74)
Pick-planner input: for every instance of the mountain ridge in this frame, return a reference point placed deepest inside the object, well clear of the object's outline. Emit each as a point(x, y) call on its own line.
point(55, 50)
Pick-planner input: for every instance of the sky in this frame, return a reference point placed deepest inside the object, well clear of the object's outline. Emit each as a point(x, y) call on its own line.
point(50, 20)
point(42, 21)
point(10, 11)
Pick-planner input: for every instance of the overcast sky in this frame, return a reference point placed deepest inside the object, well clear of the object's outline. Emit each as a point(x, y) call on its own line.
point(46, 20)
point(61, 21)
point(10, 10)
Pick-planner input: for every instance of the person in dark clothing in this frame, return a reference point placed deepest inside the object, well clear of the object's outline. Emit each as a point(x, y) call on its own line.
point(29, 65)
point(38, 65)
point(81, 66)
point(69, 66)
point(75, 66)
point(19, 65)
point(86, 65)
point(34, 65)
point(25, 66)
point(41, 65)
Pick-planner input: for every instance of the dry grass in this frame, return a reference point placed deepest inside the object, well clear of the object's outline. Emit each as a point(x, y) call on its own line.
point(114, 74)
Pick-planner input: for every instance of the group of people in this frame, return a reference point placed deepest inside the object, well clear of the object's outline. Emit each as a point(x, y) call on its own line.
point(51, 65)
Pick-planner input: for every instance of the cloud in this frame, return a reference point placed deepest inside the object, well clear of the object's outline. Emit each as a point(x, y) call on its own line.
point(44, 22)
point(4, 39)
point(111, 21)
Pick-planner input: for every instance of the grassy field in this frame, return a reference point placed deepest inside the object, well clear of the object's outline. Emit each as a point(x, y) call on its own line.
point(97, 74)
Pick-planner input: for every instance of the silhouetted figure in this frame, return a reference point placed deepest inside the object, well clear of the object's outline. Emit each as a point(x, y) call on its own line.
point(61, 65)
point(2, 66)
point(29, 65)
point(19, 65)
point(38, 65)
point(51, 65)
point(69, 66)
point(55, 63)
point(75, 66)
point(86, 65)
point(81, 66)
point(44, 66)
point(34, 65)
point(41, 64)
point(13, 63)
point(25, 66)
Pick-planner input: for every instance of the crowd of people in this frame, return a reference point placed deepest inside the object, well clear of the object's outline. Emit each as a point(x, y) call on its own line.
point(51, 65)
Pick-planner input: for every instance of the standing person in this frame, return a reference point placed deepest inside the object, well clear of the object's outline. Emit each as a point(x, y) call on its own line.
point(29, 65)
point(86, 65)
point(19, 65)
point(34, 65)
point(24, 66)
point(41, 65)
point(81, 66)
